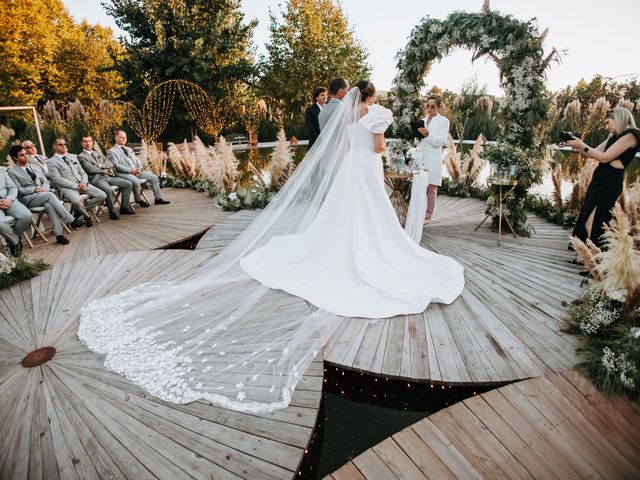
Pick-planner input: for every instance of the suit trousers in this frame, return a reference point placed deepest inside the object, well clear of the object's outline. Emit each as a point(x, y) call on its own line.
point(22, 216)
point(104, 183)
point(96, 195)
point(55, 208)
point(150, 177)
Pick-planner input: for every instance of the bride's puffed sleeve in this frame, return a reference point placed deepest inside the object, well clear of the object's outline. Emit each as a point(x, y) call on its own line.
point(378, 119)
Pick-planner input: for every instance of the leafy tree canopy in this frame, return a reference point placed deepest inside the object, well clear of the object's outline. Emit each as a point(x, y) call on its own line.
point(311, 44)
point(203, 41)
point(45, 55)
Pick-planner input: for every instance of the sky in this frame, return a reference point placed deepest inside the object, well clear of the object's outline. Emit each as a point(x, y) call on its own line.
point(595, 37)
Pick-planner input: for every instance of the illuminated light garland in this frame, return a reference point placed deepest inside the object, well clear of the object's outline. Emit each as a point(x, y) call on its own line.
point(149, 122)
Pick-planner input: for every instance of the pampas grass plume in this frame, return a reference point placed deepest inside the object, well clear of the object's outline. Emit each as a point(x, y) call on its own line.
point(281, 164)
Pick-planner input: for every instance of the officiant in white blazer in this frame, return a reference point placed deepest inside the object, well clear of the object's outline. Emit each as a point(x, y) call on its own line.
point(434, 137)
point(129, 167)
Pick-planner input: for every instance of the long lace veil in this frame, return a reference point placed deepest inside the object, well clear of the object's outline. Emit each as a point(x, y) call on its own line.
point(220, 335)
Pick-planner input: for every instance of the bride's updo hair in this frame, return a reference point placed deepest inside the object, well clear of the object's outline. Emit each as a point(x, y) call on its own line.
point(366, 89)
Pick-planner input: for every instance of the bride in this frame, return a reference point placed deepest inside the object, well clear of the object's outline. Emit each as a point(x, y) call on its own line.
point(242, 331)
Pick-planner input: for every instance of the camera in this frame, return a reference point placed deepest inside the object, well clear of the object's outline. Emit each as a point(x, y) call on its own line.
point(565, 136)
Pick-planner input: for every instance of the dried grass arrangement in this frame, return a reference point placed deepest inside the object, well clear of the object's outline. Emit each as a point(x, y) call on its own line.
point(225, 171)
point(607, 316)
point(153, 158)
point(582, 184)
point(472, 163)
point(453, 160)
point(175, 161)
point(204, 159)
point(281, 164)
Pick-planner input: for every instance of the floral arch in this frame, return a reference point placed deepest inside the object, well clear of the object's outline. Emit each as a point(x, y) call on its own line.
point(516, 48)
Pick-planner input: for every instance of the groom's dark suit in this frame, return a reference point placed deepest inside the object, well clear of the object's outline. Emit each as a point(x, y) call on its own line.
point(311, 122)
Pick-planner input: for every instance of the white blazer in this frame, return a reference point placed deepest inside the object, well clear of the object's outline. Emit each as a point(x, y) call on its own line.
point(431, 147)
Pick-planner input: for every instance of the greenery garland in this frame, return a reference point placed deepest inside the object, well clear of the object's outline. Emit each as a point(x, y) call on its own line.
point(17, 269)
point(516, 47)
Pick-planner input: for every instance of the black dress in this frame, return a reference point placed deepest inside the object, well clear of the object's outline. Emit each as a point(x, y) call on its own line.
point(603, 192)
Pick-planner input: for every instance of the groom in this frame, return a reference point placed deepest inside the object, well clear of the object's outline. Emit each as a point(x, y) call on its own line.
point(338, 87)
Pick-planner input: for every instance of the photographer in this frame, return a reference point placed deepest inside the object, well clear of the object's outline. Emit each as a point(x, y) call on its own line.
point(614, 155)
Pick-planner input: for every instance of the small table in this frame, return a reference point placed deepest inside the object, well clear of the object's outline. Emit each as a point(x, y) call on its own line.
point(502, 195)
point(399, 183)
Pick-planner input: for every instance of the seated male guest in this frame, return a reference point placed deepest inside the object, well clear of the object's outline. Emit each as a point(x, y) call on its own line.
point(130, 168)
point(34, 157)
point(9, 205)
point(102, 174)
point(33, 191)
point(67, 174)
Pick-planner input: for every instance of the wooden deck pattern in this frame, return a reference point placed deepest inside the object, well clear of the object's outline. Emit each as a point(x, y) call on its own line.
point(70, 418)
point(505, 326)
point(190, 213)
point(223, 233)
point(552, 427)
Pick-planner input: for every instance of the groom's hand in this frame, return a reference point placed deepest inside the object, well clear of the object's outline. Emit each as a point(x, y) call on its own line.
point(424, 131)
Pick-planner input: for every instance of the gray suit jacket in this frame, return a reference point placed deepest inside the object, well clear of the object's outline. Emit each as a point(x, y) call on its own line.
point(124, 163)
point(65, 176)
point(41, 161)
point(328, 110)
point(96, 164)
point(24, 181)
point(8, 189)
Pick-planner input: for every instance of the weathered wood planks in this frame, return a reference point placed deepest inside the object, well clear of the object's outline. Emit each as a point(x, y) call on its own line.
point(505, 326)
point(190, 213)
point(72, 418)
point(556, 426)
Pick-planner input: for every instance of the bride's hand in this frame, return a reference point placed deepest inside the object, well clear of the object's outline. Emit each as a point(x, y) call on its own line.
point(423, 131)
point(379, 143)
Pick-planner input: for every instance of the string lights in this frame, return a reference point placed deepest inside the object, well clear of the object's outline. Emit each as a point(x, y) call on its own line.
point(149, 122)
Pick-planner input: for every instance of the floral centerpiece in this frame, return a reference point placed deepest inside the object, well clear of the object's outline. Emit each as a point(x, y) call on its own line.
point(401, 155)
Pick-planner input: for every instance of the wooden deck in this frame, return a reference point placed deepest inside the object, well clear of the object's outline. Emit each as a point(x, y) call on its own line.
point(553, 427)
point(504, 327)
point(71, 418)
point(190, 213)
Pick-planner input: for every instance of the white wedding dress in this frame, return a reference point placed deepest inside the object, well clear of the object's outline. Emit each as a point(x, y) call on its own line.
point(242, 331)
point(355, 260)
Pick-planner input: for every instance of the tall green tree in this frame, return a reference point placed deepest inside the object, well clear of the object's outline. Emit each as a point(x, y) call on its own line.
point(203, 41)
point(310, 44)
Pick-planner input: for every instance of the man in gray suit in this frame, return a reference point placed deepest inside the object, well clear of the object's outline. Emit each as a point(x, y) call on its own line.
point(67, 174)
point(129, 167)
point(102, 174)
point(33, 191)
point(9, 205)
point(34, 157)
point(338, 87)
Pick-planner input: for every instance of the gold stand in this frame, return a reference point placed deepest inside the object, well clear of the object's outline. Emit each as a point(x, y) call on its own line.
point(398, 183)
point(500, 198)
